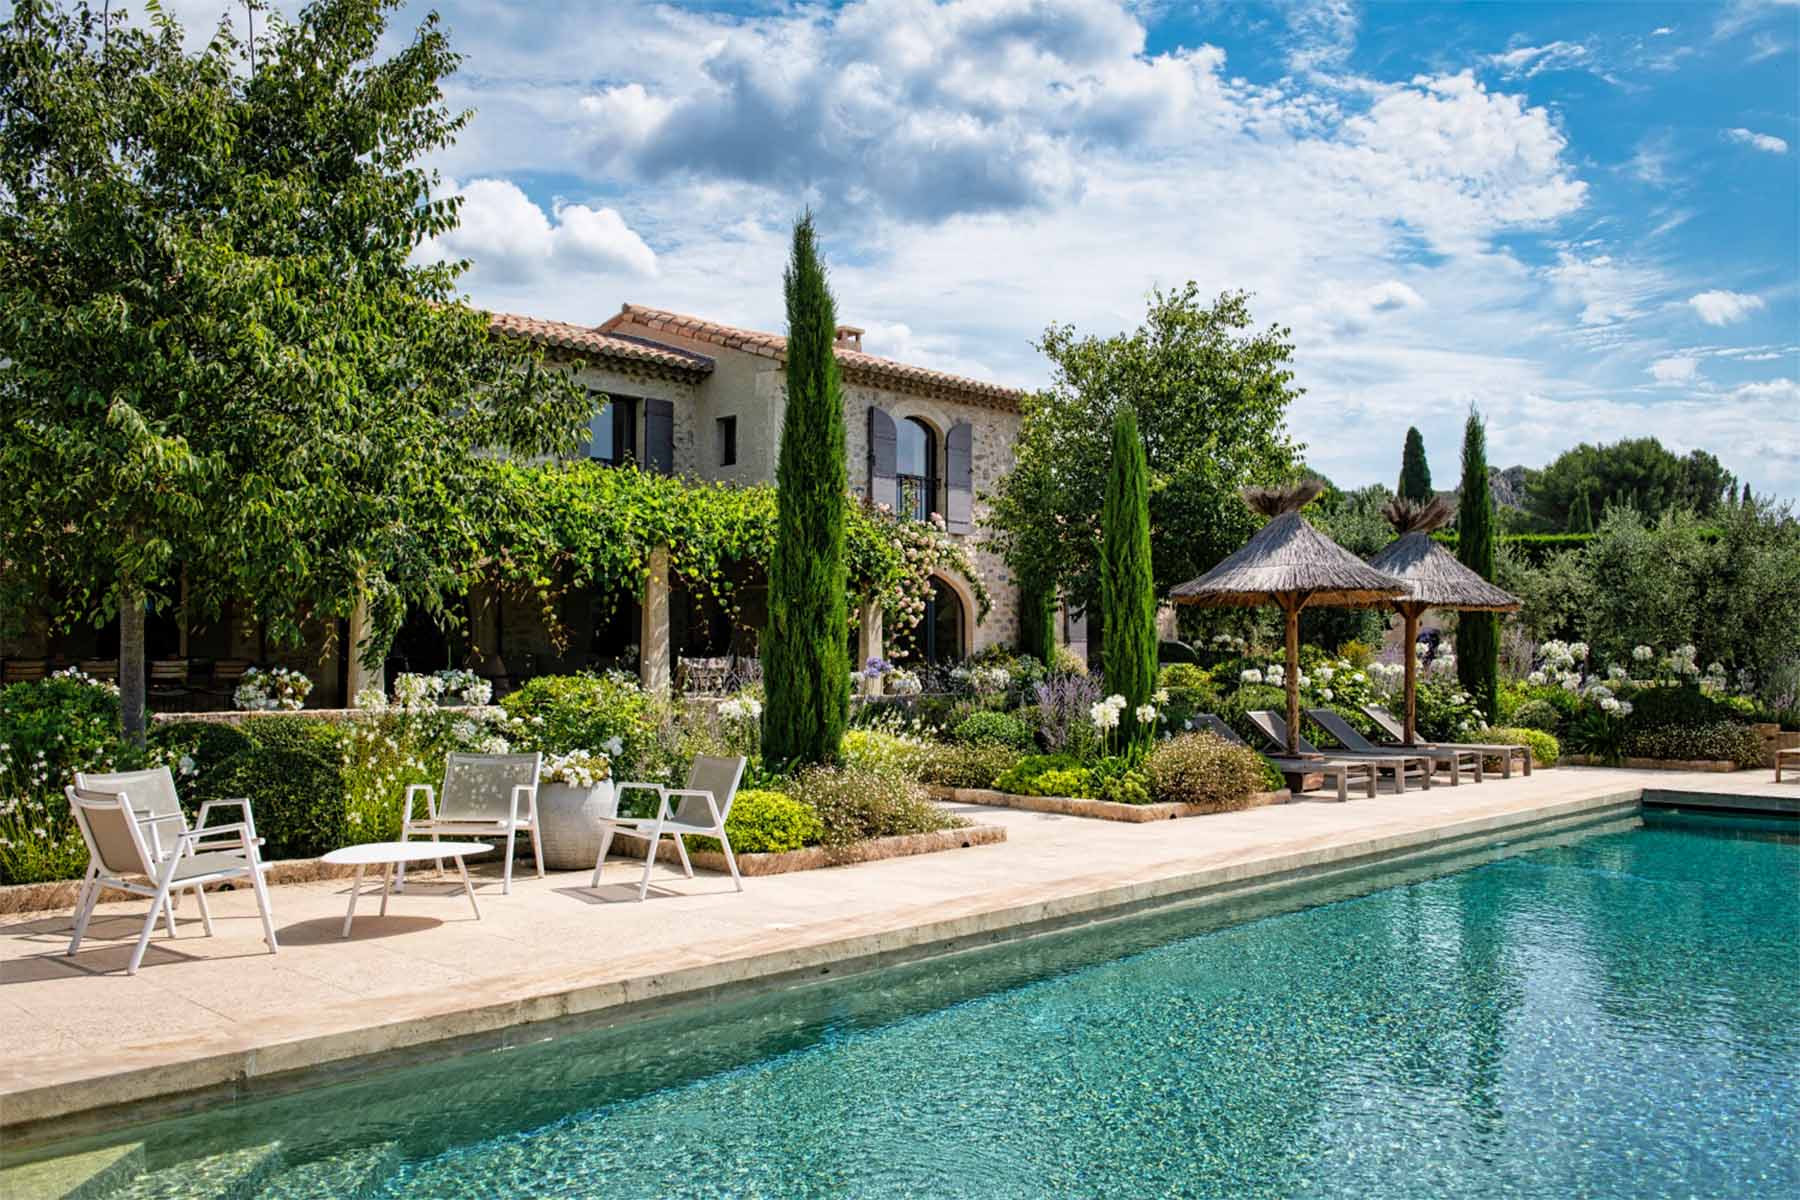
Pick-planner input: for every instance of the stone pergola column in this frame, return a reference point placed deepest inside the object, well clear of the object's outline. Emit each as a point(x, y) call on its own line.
point(868, 643)
point(360, 676)
point(653, 628)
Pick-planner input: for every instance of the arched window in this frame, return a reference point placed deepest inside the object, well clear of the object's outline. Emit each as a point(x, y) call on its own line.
point(915, 468)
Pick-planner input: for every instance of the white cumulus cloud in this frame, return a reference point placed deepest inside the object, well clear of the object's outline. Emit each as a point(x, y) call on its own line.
point(512, 241)
point(1768, 143)
point(1724, 308)
point(1678, 368)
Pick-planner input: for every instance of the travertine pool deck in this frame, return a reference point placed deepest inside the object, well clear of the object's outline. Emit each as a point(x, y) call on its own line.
point(217, 1017)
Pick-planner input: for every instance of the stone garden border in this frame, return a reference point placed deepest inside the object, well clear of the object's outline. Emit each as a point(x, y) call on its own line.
point(811, 858)
point(1105, 810)
point(1717, 766)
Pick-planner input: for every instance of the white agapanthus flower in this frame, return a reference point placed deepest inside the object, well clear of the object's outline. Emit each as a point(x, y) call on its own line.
point(1145, 713)
point(1609, 705)
point(1617, 674)
point(1325, 674)
point(741, 708)
point(1578, 651)
point(1537, 679)
point(1103, 715)
point(371, 699)
point(1252, 675)
point(1642, 653)
point(1325, 694)
point(1160, 696)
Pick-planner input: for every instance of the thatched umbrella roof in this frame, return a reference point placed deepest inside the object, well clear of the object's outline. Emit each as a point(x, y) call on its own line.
point(1290, 564)
point(1288, 558)
point(1434, 578)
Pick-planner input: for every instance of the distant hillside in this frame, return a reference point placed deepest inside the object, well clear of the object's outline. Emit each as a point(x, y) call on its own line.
point(1508, 484)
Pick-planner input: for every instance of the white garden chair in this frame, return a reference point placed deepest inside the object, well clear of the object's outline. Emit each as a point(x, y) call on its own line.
point(484, 795)
point(136, 848)
point(699, 813)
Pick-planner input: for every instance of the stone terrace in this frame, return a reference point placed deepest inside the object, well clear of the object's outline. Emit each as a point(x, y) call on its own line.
point(223, 1015)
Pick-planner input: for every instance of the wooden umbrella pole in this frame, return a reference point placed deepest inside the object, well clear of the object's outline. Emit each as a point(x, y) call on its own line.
point(1411, 613)
point(1292, 608)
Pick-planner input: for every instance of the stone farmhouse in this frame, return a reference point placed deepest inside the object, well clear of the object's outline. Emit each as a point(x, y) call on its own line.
point(692, 397)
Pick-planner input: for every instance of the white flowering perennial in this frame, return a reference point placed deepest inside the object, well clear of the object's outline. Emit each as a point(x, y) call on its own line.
point(1145, 713)
point(1105, 713)
point(577, 768)
point(741, 708)
point(271, 689)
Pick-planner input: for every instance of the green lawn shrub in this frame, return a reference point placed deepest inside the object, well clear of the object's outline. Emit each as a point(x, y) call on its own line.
point(1203, 769)
point(766, 822)
point(960, 766)
point(855, 804)
point(1545, 749)
point(1717, 741)
point(1537, 714)
point(987, 728)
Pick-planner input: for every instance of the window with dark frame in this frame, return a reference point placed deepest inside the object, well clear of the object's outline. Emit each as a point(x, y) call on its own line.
point(612, 431)
point(728, 441)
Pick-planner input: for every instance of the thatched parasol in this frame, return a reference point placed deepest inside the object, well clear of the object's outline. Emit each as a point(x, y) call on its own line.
point(1433, 578)
point(1290, 564)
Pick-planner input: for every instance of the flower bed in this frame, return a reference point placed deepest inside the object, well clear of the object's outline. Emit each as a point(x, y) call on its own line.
point(1104, 810)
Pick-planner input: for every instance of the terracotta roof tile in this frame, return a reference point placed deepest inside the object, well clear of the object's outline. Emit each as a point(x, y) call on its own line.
point(857, 366)
point(587, 340)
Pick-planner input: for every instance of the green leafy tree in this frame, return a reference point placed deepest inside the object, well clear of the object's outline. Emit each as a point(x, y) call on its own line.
point(806, 666)
point(1638, 472)
point(218, 353)
point(1037, 620)
point(1210, 396)
point(1127, 591)
point(1415, 472)
point(1477, 634)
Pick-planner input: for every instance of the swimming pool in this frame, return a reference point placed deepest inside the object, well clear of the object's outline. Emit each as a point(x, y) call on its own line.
point(1613, 1013)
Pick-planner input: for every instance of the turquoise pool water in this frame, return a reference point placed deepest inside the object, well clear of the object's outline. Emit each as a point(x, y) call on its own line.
point(1616, 1014)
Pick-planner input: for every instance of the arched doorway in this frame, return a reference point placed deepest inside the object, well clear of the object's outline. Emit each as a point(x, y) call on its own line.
point(943, 627)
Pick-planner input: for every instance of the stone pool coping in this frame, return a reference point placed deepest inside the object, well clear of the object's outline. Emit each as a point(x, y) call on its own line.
point(1064, 874)
point(1105, 810)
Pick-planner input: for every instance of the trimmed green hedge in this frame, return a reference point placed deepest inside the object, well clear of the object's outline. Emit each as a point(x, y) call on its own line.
point(1545, 749)
point(298, 797)
point(968, 766)
point(763, 822)
point(1204, 769)
point(1719, 741)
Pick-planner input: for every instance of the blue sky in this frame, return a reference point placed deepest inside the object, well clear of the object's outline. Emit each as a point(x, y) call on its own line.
point(1583, 217)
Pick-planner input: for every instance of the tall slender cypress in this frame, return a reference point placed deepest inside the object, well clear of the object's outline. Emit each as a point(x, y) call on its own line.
point(1127, 587)
point(1477, 634)
point(1581, 516)
point(1037, 620)
point(1415, 472)
point(806, 662)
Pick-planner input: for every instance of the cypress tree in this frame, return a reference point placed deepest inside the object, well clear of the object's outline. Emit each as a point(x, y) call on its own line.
point(1581, 516)
point(806, 663)
point(1415, 472)
point(1037, 620)
point(1747, 501)
point(1477, 634)
point(1127, 590)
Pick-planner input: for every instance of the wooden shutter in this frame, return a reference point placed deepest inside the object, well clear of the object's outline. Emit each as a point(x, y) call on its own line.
point(959, 478)
point(883, 487)
point(659, 436)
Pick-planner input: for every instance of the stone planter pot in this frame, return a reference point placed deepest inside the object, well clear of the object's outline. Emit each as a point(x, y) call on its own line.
point(568, 823)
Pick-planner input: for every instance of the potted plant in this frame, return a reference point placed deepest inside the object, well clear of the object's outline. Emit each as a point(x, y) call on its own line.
point(575, 790)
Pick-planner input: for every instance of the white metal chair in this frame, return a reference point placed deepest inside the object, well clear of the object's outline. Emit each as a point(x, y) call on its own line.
point(699, 813)
point(127, 846)
point(484, 795)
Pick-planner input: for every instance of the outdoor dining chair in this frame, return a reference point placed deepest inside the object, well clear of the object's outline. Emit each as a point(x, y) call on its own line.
point(134, 848)
point(704, 805)
point(484, 795)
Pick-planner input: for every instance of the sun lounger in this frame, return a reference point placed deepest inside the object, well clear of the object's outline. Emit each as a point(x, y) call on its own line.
point(1351, 739)
point(1504, 751)
point(1338, 769)
point(1272, 727)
